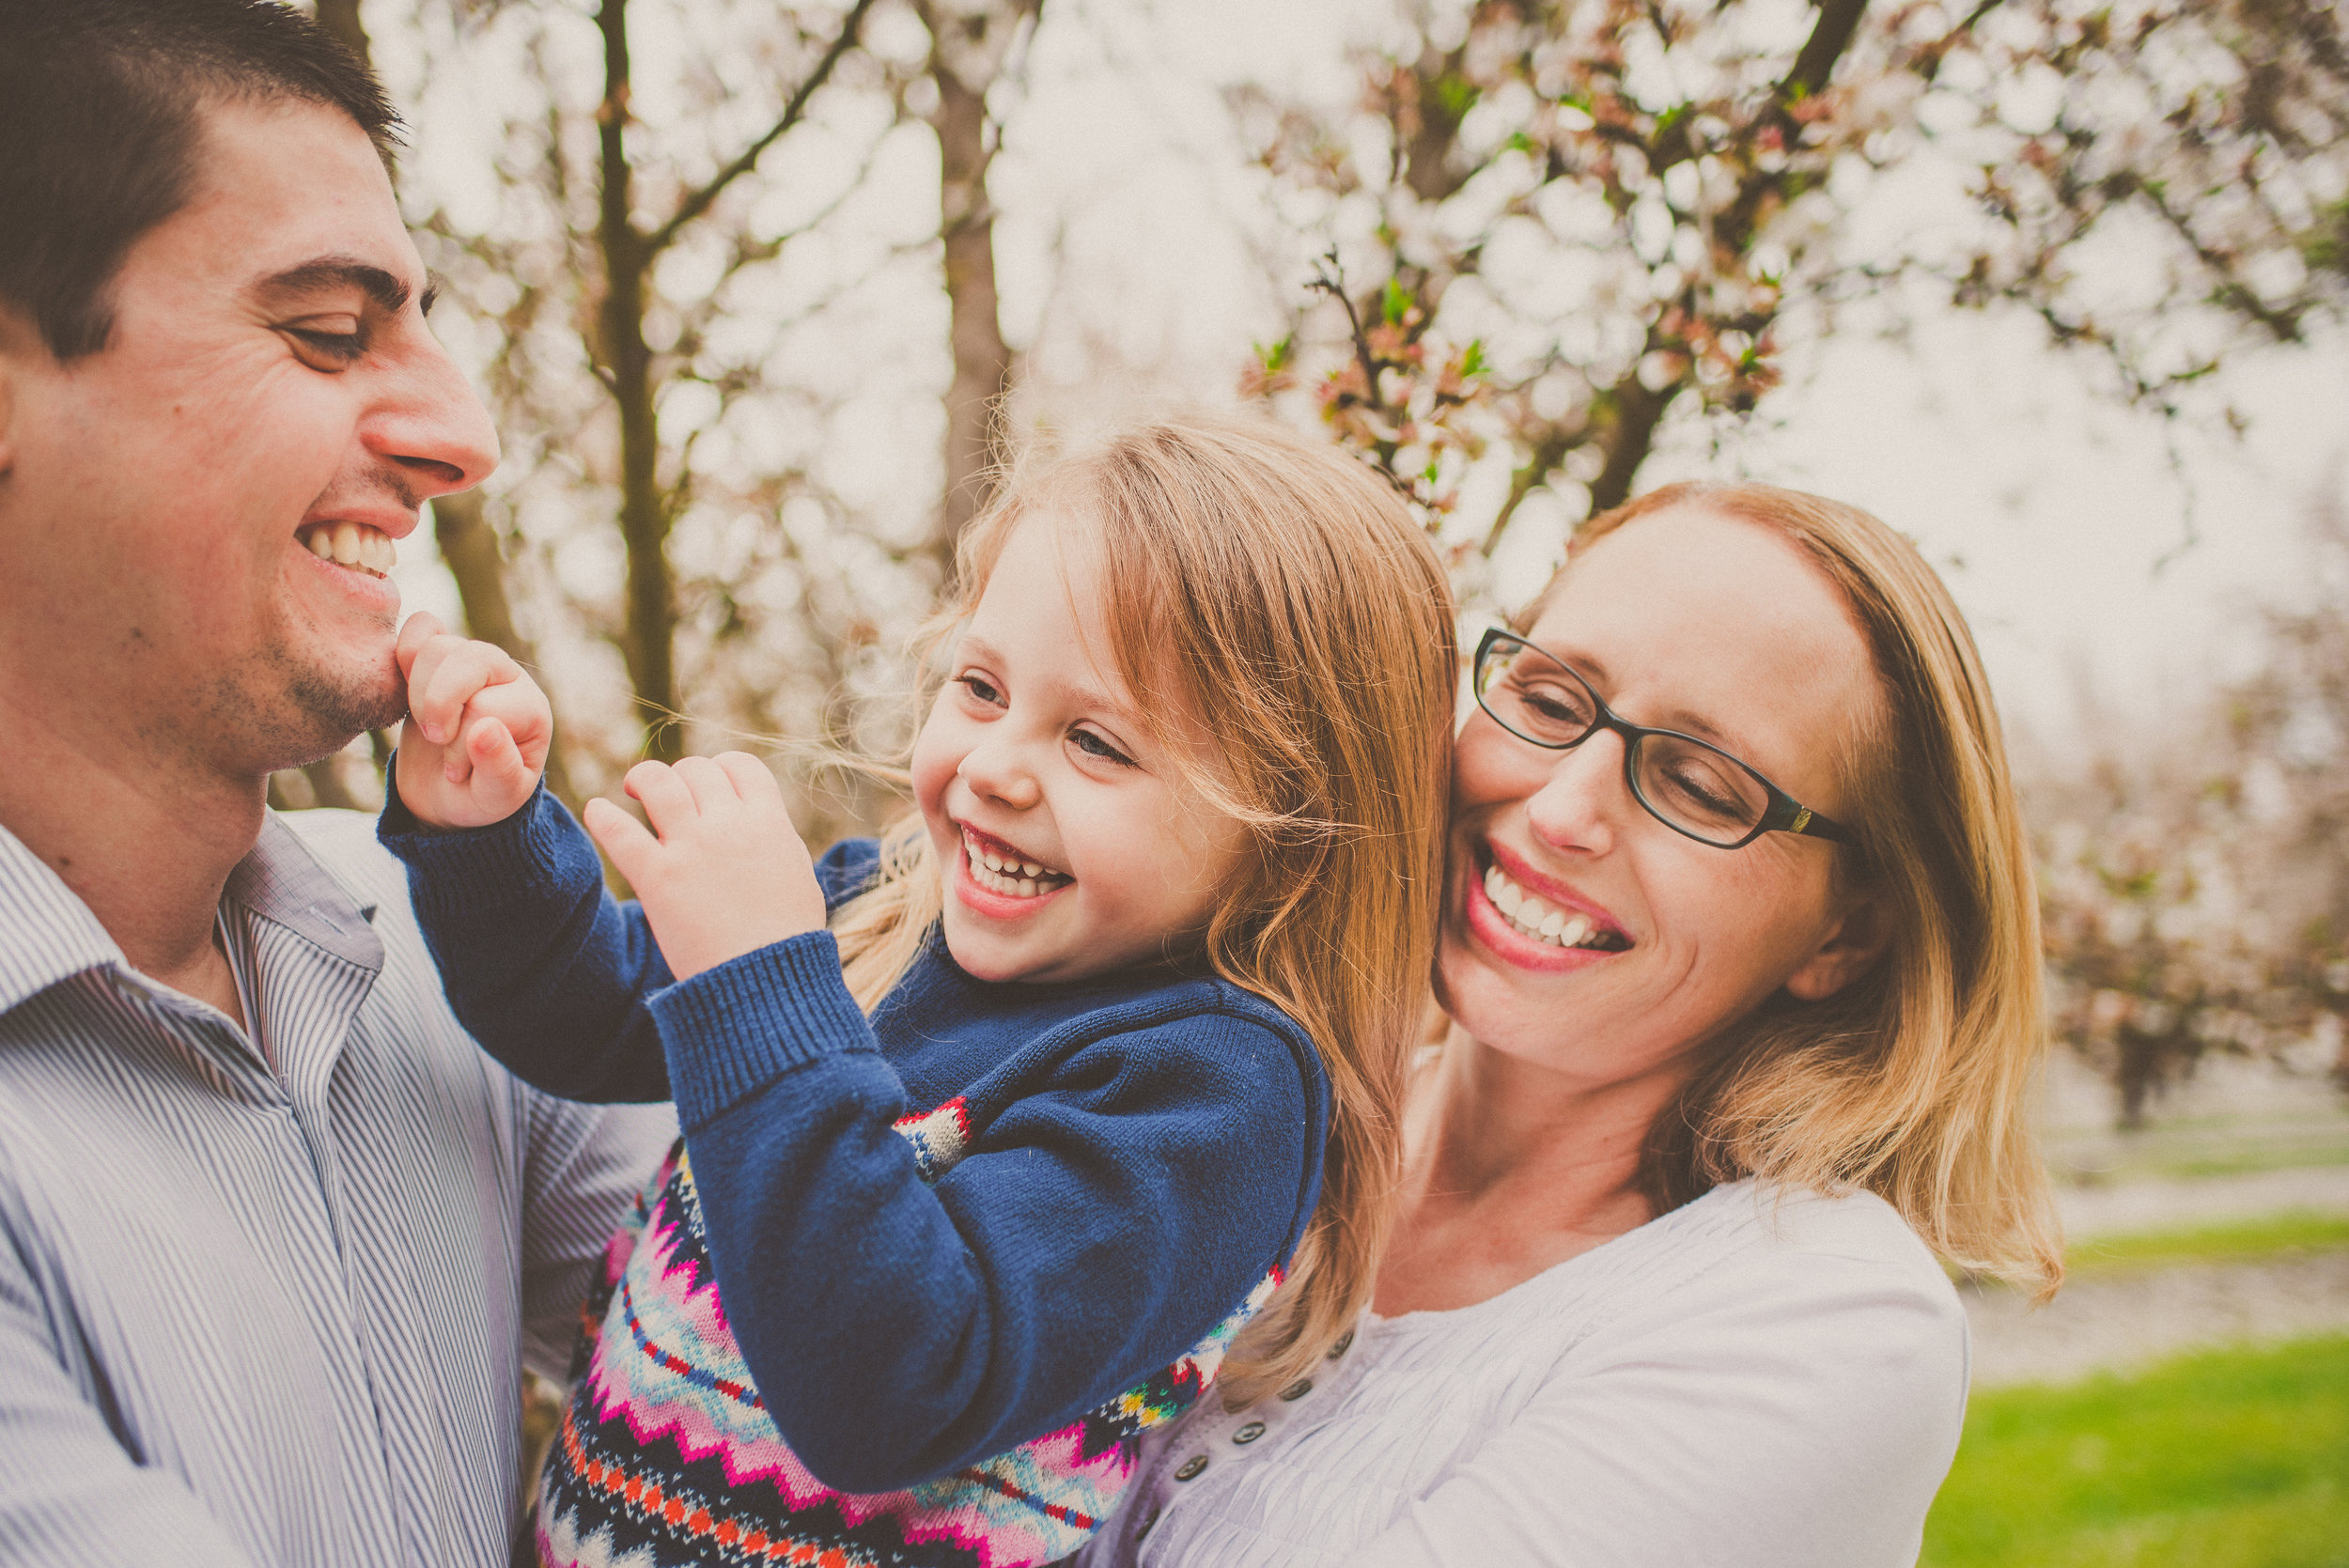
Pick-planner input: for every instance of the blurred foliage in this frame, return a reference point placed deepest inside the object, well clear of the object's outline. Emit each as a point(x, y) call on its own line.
point(1564, 221)
point(1552, 224)
point(2232, 1459)
point(2195, 872)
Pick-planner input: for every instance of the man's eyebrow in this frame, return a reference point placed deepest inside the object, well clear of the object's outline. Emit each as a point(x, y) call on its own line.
point(340, 272)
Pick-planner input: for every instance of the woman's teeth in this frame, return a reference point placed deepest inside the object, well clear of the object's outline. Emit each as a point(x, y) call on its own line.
point(353, 545)
point(1013, 878)
point(1537, 920)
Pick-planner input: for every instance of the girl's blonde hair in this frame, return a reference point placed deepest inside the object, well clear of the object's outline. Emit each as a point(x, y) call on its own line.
point(1275, 597)
point(1915, 1081)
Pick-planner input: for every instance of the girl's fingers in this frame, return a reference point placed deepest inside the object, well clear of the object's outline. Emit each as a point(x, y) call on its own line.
point(497, 760)
point(623, 838)
point(665, 795)
point(750, 778)
point(521, 707)
point(448, 672)
point(415, 632)
point(712, 790)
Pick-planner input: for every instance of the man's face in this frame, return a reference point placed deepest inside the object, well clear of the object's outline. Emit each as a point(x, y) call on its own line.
point(270, 398)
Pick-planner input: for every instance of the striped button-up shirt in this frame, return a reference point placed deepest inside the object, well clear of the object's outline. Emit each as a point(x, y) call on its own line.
point(266, 1293)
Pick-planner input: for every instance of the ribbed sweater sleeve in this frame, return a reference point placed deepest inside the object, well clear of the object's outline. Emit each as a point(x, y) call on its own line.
point(541, 964)
point(1146, 1168)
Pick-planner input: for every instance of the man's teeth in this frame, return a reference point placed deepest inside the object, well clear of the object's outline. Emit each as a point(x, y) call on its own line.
point(998, 872)
point(1537, 920)
point(353, 545)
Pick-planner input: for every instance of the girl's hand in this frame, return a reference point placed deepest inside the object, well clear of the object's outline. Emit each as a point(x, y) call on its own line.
point(477, 729)
point(726, 873)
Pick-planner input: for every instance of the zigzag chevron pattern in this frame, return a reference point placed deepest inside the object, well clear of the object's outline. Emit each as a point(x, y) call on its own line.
point(667, 1457)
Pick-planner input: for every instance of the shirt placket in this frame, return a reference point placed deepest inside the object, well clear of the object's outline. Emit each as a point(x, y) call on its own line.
point(1214, 1438)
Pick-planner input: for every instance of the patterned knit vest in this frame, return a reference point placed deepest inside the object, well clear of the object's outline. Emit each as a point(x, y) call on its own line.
point(666, 1454)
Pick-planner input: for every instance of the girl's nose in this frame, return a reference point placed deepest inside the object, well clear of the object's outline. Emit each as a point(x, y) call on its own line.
point(1579, 807)
point(995, 770)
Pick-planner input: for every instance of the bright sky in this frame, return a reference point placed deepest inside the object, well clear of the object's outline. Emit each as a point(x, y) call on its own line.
point(1131, 226)
point(2056, 516)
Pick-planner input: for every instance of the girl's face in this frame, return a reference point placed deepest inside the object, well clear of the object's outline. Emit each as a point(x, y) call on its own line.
point(1689, 621)
point(1071, 843)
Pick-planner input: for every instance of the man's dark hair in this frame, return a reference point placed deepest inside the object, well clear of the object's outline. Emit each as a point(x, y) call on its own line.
point(100, 125)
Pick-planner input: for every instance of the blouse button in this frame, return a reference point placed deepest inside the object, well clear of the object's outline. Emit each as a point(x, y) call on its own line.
point(1248, 1434)
point(1144, 1528)
point(1296, 1391)
point(1345, 1343)
point(1192, 1467)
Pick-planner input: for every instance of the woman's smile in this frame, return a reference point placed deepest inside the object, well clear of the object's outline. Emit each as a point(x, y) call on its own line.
point(1536, 922)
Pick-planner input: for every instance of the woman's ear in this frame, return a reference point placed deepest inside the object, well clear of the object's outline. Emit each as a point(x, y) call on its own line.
point(1851, 944)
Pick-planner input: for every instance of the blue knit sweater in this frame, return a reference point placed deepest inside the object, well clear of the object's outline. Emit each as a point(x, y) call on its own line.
point(1146, 1146)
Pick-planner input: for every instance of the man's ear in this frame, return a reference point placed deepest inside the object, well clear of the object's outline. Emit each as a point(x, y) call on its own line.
point(1854, 942)
point(17, 339)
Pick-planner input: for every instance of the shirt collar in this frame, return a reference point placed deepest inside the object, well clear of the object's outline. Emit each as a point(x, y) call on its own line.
point(282, 881)
point(47, 934)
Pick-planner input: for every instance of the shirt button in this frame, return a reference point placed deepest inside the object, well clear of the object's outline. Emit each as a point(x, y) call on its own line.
point(1192, 1467)
point(1345, 1343)
point(1297, 1389)
point(1248, 1434)
point(1144, 1528)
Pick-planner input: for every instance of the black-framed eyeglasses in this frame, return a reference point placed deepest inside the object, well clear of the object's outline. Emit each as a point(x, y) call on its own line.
point(1689, 786)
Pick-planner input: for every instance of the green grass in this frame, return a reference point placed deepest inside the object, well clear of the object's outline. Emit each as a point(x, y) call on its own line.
point(2293, 1233)
point(2228, 1459)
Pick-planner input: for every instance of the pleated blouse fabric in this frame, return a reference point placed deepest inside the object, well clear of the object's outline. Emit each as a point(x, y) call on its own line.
point(1762, 1381)
point(265, 1296)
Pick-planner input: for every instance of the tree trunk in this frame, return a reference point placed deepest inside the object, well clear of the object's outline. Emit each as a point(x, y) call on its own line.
point(470, 547)
point(1631, 437)
point(649, 642)
point(967, 56)
point(340, 18)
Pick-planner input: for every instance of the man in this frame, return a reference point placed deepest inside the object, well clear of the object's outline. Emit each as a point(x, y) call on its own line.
point(273, 1233)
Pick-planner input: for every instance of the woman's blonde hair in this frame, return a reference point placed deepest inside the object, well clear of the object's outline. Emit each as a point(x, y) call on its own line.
point(1915, 1081)
point(1275, 597)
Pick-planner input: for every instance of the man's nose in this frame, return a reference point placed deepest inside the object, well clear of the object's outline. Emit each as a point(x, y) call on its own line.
point(432, 424)
point(1581, 805)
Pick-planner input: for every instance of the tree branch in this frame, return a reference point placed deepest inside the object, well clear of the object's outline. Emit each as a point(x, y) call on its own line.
point(1837, 21)
point(699, 202)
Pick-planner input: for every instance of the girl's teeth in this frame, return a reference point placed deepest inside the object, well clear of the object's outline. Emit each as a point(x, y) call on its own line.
point(1553, 922)
point(1573, 933)
point(1016, 879)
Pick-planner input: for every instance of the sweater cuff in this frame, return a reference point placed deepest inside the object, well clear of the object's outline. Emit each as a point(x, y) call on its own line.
point(735, 1028)
point(470, 867)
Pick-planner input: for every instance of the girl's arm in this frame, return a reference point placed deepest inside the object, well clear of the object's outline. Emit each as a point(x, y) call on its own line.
point(542, 965)
point(1151, 1171)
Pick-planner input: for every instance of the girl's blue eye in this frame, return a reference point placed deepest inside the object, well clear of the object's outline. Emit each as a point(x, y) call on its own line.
point(1093, 745)
point(981, 687)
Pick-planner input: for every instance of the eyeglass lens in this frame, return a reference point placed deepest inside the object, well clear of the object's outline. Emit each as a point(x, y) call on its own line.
point(1699, 790)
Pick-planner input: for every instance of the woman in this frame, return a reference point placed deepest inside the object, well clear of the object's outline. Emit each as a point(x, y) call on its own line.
point(1745, 1019)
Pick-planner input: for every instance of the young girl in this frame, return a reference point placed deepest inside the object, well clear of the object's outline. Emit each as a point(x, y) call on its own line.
point(1101, 1047)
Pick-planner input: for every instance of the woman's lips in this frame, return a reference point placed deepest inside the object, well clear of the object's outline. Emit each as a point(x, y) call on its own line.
point(1533, 921)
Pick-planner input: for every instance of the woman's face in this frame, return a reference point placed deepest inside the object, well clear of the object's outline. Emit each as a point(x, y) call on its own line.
point(1685, 620)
